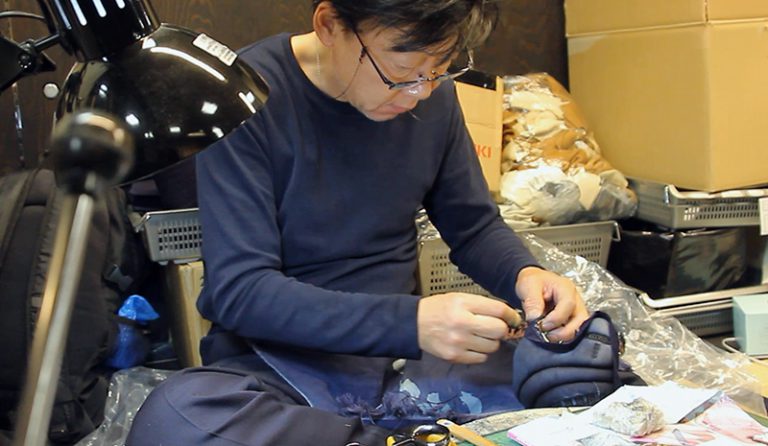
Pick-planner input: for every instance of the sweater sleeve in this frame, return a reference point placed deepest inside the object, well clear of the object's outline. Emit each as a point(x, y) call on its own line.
point(246, 291)
point(461, 208)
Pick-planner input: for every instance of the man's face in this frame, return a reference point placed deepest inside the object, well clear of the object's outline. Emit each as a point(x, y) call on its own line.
point(365, 89)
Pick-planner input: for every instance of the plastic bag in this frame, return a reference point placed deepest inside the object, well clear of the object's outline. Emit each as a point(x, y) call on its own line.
point(666, 263)
point(127, 391)
point(552, 169)
point(132, 345)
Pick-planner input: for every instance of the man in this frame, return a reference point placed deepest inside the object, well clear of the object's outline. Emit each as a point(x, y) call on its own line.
point(310, 244)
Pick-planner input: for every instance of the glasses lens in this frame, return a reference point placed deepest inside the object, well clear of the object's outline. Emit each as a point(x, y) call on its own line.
point(459, 66)
point(406, 85)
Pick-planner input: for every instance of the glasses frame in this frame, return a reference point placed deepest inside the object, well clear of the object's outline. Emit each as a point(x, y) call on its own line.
point(421, 80)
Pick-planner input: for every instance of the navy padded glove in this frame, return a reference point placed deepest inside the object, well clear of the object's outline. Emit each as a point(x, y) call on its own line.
point(579, 372)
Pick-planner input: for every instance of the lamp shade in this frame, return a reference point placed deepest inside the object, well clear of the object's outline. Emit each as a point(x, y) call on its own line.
point(177, 91)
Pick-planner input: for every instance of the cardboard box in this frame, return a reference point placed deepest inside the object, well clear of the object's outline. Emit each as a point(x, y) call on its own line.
point(183, 284)
point(481, 102)
point(750, 323)
point(674, 89)
point(599, 16)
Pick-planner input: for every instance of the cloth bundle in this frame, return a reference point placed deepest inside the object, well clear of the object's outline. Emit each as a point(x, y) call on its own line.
point(552, 169)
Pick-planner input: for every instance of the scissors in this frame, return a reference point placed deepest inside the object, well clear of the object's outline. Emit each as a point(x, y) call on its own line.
point(431, 434)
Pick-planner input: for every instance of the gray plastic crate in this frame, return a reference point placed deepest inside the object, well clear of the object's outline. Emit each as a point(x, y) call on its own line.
point(172, 235)
point(666, 205)
point(438, 275)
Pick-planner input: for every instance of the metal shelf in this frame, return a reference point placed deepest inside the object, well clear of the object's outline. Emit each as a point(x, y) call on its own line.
point(699, 298)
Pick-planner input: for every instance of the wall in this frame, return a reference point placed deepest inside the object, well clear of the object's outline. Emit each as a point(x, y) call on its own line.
point(529, 37)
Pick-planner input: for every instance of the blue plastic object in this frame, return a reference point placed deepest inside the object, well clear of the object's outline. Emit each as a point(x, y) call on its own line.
point(132, 345)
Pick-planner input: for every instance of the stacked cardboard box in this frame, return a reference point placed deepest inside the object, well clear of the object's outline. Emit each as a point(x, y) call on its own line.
point(674, 89)
point(481, 102)
point(183, 283)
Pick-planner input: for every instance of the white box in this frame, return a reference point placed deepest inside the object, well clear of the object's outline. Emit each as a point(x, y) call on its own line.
point(750, 323)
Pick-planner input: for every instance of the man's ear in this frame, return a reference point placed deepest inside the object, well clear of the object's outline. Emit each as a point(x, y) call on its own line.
point(327, 24)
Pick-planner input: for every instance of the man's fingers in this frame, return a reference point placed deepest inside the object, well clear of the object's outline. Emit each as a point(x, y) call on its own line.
point(567, 331)
point(560, 315)
point(462, 355)
point(496, 308)
point(489, 327)
point(479, 344)
point(564, 333)
point(533, 308)
point(471, 357)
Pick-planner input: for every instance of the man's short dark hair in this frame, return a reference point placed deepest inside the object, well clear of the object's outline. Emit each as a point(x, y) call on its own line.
point(425, 24)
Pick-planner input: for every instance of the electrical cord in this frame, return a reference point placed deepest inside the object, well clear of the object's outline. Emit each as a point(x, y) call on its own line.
point(21, 15)
point(731, 345)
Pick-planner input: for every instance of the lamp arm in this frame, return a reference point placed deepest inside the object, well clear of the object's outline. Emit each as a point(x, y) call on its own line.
point(18, 60)
point(48, 17)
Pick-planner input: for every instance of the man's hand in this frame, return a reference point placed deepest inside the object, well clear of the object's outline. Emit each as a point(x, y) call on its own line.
point(544, 293)
point(463, 328)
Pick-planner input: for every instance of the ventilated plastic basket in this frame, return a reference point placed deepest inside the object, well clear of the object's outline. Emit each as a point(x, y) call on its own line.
point(172, 235)
point(666, 205)
point(438, 275)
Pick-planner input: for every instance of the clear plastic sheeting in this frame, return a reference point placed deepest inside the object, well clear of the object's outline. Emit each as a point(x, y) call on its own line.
point(552, 169)
point(128, 389)
point(659, 348)
point(424, 228)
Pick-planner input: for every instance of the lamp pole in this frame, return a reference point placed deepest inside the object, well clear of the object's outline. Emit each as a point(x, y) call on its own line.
point(91, 151)
point(167, 93)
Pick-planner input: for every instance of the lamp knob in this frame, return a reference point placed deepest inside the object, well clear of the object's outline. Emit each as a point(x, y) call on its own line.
point(90, 150)
point(51, 90)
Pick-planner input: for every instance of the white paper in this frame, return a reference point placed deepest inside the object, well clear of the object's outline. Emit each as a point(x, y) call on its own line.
point(674, 400)
point(563, 430)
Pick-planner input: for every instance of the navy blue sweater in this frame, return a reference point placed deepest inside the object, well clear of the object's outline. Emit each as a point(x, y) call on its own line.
point(308, 217)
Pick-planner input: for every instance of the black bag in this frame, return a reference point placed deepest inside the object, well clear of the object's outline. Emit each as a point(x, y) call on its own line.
point(29, 211)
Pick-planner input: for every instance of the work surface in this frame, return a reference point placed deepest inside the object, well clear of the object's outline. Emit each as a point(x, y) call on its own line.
point(495, 428)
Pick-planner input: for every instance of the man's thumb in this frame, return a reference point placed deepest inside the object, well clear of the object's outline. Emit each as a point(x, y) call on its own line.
point(533, 308)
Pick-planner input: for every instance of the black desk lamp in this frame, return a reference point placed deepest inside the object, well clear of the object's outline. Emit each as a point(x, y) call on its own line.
point(142, 96)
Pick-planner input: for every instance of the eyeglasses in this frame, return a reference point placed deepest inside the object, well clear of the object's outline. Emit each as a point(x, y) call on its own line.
point(452, 72)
